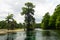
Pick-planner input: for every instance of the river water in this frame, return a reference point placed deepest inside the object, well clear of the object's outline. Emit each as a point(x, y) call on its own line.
point(38, 35)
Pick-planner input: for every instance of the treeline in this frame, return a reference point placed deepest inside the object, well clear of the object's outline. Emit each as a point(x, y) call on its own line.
point(53, 21)
point(10, 23)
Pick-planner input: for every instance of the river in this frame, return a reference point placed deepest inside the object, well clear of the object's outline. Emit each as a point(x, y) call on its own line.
point(39, 34)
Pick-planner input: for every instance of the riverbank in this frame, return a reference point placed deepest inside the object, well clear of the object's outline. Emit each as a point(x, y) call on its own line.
point(5, 31)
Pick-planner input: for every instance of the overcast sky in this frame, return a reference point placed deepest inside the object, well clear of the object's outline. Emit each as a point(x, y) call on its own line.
point(14, 7)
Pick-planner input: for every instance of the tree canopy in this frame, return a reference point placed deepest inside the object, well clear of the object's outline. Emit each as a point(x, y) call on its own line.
point(28, 11)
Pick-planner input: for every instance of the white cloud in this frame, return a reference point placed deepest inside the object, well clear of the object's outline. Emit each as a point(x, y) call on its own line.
point(14, 6)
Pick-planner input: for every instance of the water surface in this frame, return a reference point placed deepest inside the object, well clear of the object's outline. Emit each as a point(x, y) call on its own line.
point(38, 35)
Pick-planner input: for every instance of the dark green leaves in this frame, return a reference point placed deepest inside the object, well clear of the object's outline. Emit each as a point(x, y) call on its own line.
point(29, 4)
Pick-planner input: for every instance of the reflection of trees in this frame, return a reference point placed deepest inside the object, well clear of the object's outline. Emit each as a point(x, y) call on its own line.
point(11, 36)
point(57, 34)
point(30, 35)
point(46, 35)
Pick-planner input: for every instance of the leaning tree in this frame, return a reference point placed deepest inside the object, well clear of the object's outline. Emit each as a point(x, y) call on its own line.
point(10, 22)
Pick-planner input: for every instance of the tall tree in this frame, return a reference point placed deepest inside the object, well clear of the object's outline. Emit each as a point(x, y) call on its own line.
point(45, 21)
point(28, 11)
point(53, 18)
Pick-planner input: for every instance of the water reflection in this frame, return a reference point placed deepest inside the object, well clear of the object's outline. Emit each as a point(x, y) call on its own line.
point(46, 35)
point(11, 36)
point(57, 34)
point(30, 35)
point(33, 35)
point(51, 35)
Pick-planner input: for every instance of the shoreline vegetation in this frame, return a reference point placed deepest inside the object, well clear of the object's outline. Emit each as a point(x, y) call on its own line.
point(5, 31)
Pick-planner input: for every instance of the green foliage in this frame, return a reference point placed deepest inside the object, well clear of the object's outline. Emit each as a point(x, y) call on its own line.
point(20, 25)
point(58, 22)
point(29, 4)
point(28, 11)
point(3, 24)
point(45, 21)
point(54, 18)
point(10, 20)
point(37, 25)
point(52, 22)
point(9, 16)
point(10, 23)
